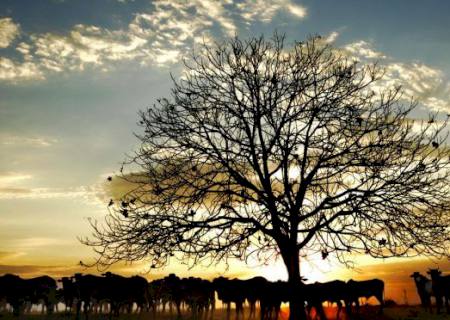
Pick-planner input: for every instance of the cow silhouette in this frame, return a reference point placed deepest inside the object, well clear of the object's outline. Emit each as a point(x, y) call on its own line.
point(69, 292)
point(364, 289)
point(231, 291)
point(441, 288)
point(424, 289)
point(22, 293)
point(254, 290)
point(333, 292)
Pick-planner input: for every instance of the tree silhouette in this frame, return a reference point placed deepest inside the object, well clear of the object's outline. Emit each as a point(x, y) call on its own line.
point(266, 150)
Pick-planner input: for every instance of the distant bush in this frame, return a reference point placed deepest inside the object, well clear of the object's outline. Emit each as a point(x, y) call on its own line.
point(390, 303)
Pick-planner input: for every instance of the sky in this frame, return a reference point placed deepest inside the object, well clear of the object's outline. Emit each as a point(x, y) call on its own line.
point(75, 73)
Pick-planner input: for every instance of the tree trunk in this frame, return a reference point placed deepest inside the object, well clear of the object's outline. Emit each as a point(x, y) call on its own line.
point(296, 294)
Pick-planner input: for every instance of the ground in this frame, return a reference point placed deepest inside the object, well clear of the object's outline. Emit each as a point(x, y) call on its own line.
point(369, 313)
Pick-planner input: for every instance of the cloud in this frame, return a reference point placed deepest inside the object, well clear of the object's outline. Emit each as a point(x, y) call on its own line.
point(7, 255)
point(14, 71)
point(8, 32)
point(429, 85)
point(158, 37)
point(331, 37)
point(262, 10)
point(31, 243)
point(16, 185)
point(363, 49)
point(29, 271)
point(10, 177)
point(34, 141)
point(87, 193)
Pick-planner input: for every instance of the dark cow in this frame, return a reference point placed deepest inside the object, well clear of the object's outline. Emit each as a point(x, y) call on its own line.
point(364, 289)
point(273, 296)
point(175, 292)
point(17, 292)
point(41, 290)
point(441, 288)
point(69, 292)
point(89, 289)
point(231, 291)
point(123, 292)
point(318, 293)
point(158, 295)
point(424, 289)
point(12, 291)
point(254, 291)
point(195, 294)
point(199, 296)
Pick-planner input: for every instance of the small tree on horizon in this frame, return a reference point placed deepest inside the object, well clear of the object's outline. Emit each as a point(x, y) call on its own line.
point(265, 150)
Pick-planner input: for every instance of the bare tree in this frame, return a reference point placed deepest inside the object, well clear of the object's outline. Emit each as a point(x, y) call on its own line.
point(265, 150)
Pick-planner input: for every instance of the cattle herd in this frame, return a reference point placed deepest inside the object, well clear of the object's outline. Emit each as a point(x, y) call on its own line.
point(438, 287)
point(112, 294)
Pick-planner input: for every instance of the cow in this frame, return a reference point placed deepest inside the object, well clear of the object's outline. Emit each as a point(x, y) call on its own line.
point(69, 292)
point(424, 289)
point(318, 293)
point(158, 295)
point(41, 290)
point(12, 291)
point(231, 291)
point(20, 293)
point(198, 296)
point(364, 289)
point(441, 288)
point(124, 292)
point(89, 289)
point(175, 292)
point(254, 290)
point(272, 297)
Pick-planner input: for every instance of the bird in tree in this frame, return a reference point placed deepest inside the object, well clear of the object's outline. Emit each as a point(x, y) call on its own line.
point(271, 150)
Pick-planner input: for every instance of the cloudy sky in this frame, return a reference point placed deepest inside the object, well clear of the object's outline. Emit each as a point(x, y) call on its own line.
point(74, 73)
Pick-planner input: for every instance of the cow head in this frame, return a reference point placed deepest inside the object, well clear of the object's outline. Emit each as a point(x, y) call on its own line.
point(434, 273)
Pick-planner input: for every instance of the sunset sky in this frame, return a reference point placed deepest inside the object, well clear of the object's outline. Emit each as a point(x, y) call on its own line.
point(74, 73)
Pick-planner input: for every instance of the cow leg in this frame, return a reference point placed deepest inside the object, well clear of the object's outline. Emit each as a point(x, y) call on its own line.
point(49, 306)
point(78, 309)
point(86, 309)
point(277, 311)
point(212, 307)
point(339, 306)
point(251, 314)
point(446, 304)
point(321, 312)
point(238, 309)
point(178, 304)
point(357, 305)
point(381, 301)
point(16, 306)
point(269, 314)
point(262, 310)
point(438, 304)
point(430, 308)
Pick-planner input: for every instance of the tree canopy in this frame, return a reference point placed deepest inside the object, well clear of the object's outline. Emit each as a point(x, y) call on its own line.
point(264, 150)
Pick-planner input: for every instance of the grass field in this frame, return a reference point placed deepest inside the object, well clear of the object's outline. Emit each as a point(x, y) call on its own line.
point(367, 313)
